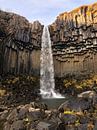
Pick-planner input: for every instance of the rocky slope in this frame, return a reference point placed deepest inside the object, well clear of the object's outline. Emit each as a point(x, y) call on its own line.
point(74, 40)
point(78, 113)
point(20, 43)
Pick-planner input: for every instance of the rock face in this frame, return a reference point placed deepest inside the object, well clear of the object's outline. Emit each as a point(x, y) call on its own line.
point(20, 43)
point(74, 41)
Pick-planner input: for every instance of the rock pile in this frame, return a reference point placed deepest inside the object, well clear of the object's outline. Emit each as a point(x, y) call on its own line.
point(74, 114)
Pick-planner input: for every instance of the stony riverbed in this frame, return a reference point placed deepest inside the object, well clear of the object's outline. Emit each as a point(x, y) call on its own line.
point(22, 109)
point(78, 113)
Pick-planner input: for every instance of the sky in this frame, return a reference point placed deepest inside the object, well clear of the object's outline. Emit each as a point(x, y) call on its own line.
point(45, 11)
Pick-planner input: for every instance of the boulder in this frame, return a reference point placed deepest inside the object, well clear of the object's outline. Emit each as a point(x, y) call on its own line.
point(91, 96)
point(18, 125)
point(82, 127)
point(4, 115)
point(7, 126)
point(13, 116)
point(22, 113)
point(46, 125)
point(68, 118)
point(76, 104)
point(87, 94)
point(35, 114)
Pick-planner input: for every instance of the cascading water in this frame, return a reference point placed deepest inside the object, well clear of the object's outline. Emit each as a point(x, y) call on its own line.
point(47, 82)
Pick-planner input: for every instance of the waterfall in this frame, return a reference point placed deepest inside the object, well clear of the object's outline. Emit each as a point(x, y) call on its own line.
point(47, 82)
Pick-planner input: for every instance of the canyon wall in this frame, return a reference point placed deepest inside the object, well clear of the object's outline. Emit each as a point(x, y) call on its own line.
point(74, 41)
point(73, 36)
point(20, 43)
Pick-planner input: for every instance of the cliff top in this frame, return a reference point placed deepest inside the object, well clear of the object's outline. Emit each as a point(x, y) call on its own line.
point(79, 10)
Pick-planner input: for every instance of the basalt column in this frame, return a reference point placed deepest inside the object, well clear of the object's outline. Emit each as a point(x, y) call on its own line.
point(20, 44)
point(74, 41)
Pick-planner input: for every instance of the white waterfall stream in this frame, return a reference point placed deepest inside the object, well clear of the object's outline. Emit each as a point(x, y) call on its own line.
point(47, 82)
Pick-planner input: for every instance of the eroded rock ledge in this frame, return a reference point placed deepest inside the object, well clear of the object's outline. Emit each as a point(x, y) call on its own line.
point(20, 43)
point(74, 40)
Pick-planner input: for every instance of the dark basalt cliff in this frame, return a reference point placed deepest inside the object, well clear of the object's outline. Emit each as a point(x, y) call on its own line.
point(20, 43)
point(74, 41)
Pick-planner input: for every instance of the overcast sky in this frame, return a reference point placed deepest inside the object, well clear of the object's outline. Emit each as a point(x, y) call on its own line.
point(43, 10)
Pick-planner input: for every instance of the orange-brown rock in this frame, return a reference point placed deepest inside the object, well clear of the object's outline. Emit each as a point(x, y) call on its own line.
point(74, 41)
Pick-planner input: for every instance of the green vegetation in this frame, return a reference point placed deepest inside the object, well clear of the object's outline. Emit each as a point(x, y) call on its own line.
point(69, 112)
point(19, 89)
point(80, 85)
point(71, 85)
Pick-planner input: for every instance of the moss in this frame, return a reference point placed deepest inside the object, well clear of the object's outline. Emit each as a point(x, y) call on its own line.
point(69, 112)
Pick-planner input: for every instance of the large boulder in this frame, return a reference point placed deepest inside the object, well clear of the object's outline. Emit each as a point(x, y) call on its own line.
point(13, 116)
point(68, 118)
point(18, 125)
point(87, 94)
point(76, 104)
point(46, 126)
point(83, 101)
point(35, 114)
